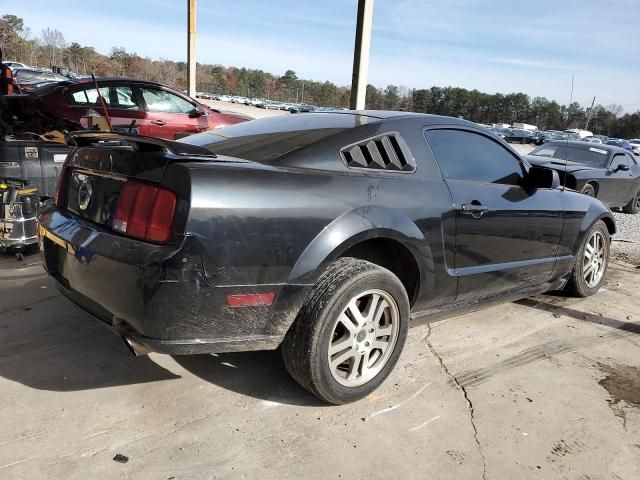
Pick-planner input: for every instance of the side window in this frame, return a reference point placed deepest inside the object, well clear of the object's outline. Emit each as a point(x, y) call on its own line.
point(162, 101)
point(122, 97)
point(632, 161)
point(89, 96)
point(114, 97)
point(619, 159)
point(472, 157)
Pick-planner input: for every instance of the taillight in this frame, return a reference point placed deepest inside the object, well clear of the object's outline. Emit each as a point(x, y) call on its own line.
point(145, 211)
point(60, 185)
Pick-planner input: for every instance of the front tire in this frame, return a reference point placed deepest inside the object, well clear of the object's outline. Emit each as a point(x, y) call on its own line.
point(349, 333)
point(589, 190)
point(633, 206)
point(591, 263)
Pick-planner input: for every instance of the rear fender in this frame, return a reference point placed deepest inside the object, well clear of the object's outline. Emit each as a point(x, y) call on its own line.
point(353, 227)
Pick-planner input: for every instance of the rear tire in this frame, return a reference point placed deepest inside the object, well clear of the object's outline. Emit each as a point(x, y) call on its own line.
point(589, 190)
point(633, 206)
point(349, 333)
point(592, 262)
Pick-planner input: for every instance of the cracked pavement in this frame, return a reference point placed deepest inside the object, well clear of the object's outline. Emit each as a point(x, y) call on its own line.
point(544, 388)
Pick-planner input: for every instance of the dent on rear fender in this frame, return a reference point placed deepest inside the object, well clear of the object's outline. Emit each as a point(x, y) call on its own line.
point(352, 227)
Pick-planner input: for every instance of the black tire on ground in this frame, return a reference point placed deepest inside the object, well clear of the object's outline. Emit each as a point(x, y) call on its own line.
point(633, 206)
point(305, 347)
point(577, 285)
point(589, 190)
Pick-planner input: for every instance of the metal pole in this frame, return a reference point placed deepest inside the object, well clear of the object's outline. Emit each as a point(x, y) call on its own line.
point(590, 113)
point(191, 48)
point(361, 54)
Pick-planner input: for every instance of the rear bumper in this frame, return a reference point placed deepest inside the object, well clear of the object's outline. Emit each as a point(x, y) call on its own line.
point(158, 296)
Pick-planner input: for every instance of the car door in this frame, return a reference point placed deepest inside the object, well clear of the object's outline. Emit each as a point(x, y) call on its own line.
point(169, 114)
point(120, 100)
point(506, 235)
point(620, 180)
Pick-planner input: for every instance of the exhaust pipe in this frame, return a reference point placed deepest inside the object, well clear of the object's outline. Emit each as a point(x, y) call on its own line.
point(137, 348)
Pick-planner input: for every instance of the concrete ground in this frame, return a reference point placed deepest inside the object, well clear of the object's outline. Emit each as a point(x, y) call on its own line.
point(544, 388)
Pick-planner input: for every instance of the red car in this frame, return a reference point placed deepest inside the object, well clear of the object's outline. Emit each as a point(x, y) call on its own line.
point(135, 106)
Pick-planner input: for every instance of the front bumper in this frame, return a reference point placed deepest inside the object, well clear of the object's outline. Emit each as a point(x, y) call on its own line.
point(158, 296)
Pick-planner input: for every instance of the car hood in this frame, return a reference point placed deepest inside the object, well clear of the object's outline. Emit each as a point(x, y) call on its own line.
point(557, 164)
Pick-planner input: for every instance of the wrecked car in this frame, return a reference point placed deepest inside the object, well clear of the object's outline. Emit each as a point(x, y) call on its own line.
point(326, 235)
point(134, 106)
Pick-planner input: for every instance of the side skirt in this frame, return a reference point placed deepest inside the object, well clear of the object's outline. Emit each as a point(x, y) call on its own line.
point(433, 315)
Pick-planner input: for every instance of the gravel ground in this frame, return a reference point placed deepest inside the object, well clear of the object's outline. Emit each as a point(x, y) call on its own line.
point(626, 243)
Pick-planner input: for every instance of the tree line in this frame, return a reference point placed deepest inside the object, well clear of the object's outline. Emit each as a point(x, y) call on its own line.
point(50, 48)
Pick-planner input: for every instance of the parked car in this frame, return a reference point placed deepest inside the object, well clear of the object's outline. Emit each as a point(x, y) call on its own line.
point(301, 108)
point(538, 138)
point(608, 173)
point(624, 144)
point(14, 65)
point(204, 95)
point(591, 140)
point(135, 106)
point(635, 143)
point(579, 132)
point(325, 235)
point(28, 79)
point(517, 135)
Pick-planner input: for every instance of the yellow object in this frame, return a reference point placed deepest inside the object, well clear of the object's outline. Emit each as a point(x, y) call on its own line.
point(28, 191)
point(3, 186)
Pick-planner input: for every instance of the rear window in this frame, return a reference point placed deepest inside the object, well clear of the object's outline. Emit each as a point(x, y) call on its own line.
point(267, 139)
point(592, 156)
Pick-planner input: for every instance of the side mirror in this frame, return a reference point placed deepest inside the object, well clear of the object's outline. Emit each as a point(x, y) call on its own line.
point(197, 112)
point(622, 168)
point(542, 177)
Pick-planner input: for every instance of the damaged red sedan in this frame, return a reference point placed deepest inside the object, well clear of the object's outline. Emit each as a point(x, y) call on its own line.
point(135, 106)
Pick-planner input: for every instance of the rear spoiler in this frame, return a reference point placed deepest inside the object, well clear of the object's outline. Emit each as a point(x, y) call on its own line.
point(92, 138)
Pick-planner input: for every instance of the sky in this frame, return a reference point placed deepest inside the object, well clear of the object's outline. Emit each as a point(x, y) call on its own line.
point(492, 45)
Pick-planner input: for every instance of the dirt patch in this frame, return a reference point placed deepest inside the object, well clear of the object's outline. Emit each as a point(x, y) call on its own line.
point(623, 383)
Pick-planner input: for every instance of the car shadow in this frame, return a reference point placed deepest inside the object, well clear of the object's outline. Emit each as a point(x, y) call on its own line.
point(47, 343)
point(260, 375)
point(630, 327)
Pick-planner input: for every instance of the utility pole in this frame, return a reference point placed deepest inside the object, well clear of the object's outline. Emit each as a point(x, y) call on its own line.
point(302, 100)
point(361, 54)
point(590, 113)
point(191, 48)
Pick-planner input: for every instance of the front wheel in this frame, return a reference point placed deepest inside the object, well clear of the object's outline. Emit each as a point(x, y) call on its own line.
point(592, 262)
point(349, 333)
point(633, 206)
point(589, 190)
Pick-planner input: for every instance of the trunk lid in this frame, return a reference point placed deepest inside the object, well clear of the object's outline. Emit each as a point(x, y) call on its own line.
point(101, 163)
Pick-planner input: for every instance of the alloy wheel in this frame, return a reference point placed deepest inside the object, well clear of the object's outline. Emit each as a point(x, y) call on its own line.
point(594, 262)
point(363, 337)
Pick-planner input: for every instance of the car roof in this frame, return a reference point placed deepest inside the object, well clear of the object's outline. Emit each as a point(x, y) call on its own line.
point(82, 81)
point(587, 145)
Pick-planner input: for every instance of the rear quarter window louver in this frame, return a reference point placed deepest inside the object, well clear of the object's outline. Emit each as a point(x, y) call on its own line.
point(388, 152)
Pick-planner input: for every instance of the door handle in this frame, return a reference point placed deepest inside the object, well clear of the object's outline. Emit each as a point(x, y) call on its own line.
point(159, 122)
point(475, 209)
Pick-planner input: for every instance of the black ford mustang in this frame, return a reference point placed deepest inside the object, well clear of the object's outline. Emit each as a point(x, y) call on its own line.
point(609, 173)
point(325, 234)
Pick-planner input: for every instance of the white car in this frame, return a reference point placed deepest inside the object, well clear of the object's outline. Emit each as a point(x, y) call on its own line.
point(635, 143)
point(14, 65)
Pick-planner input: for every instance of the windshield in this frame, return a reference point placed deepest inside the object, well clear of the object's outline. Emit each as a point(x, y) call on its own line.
point(592, 156)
